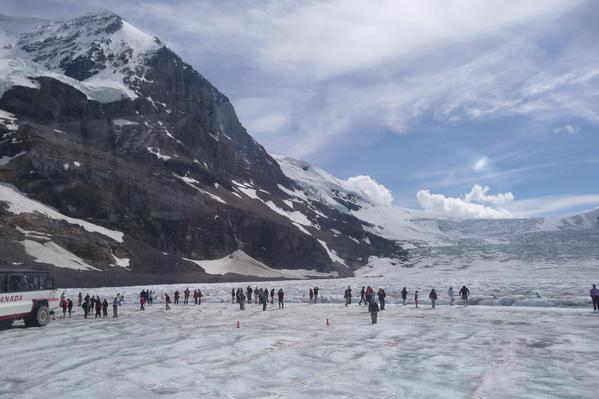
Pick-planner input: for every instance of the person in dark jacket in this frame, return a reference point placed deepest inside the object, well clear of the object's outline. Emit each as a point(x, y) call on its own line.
point(115, 307)
point(105, 309)
point(186, 296)
point(404, 295)
point(281, 295)
point(464, 293)
point(272, 296)
point(316, 290)
point(264, 299)
point(416, 298)
point(373, 308)
point(433, 297)
point(98, 308)
point(70, 306)
point(382, 295)
point(79, 300)
point(233, 295)
point(167, 301)
point(86, 307)
point(347, 296)
point(249, 291)
point(594, 293)
point(362, 295)
point(200, 295)
point(176, 297)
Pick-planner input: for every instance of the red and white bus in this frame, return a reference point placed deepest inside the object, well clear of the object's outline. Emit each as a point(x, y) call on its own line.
point(26, 294)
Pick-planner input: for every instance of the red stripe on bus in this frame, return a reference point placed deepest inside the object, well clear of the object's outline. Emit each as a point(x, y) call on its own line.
point(14, 316)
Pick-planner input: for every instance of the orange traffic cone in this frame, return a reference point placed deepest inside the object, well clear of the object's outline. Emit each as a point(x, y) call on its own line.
point(237, 323)
point(328, 322)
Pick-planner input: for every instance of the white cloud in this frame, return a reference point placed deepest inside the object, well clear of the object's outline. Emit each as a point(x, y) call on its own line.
point(479, 194)
point(458, 207)
point(567, 129)
point(553, 205)
point(375, 191)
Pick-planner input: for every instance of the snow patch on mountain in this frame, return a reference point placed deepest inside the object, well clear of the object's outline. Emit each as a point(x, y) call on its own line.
point(19, 203)
point(53, 254)
point(241, 263)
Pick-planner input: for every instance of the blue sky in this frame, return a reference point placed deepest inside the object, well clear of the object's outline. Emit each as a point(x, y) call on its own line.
point(438, 95)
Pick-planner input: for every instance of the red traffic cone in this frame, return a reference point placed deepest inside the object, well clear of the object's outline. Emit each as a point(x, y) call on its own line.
point(237, 323)
point(328, 322)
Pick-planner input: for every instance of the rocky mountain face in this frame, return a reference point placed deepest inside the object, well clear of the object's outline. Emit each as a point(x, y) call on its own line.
point(121, 164)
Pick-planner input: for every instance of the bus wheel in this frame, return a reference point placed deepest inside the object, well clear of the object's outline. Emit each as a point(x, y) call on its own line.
point(5, 324)
point(39, 318)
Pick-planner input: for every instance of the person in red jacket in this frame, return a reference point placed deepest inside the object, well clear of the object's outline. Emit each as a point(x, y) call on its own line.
point(142, 302)
point(63, 305)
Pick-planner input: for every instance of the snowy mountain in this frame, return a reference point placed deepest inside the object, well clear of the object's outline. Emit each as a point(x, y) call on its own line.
point(122, 162)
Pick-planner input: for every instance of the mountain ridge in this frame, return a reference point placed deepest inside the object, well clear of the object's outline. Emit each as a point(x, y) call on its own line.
point(166, 162)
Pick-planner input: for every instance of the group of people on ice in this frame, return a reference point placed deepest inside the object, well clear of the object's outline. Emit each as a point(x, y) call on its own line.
point(367, 296)
point(261, 295)
point(89, 304)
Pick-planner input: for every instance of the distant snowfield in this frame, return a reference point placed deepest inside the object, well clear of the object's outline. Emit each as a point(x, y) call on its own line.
point(197, 351)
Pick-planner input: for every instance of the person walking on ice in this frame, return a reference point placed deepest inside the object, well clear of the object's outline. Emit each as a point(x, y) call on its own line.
point(241, 300)
point(186, 296)
point(69, 306)
point(382, 295)
point(311, 295)
point(264, 299)
point(416, 298)
point(115, 307)
point(142, 302)
point(362, 295)
point(281, 295)
point(167, 301)
point(595, 297)
point(404, 295)
point(433, 297)
point(450, 295)
point(347, 295)
point(63, 306)
point(373, 308)
point(464, 294)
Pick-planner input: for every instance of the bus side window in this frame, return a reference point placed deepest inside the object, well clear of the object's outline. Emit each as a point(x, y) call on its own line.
point(3, 283)
point(17, 283)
